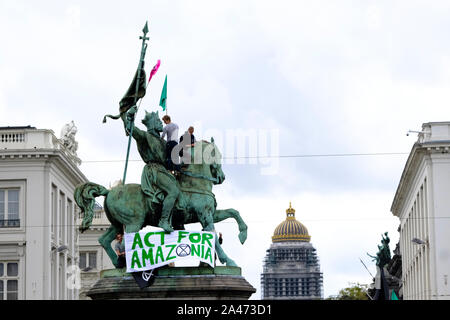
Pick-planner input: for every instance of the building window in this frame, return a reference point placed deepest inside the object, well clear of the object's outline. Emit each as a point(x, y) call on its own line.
point(9, 208)
point(9, 280)
point(70, 224)
point(62, 218)
point(53, 211)
point(278, 287)
point(88, 260)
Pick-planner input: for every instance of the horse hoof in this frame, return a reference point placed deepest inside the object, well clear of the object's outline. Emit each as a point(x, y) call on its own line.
point(167, 227)
point(243, 236)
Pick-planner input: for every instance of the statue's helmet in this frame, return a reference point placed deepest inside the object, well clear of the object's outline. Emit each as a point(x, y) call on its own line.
point(152, 121)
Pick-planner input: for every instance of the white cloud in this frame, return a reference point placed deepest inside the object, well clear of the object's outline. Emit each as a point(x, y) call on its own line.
point(331, 77)
point(343, 228)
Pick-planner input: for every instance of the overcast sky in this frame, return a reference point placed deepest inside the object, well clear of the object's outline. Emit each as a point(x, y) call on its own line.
point(318, 77)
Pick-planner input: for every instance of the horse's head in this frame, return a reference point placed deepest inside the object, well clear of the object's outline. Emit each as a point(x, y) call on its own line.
point(152, 121)
point(216, 172)
point(213, 157)
point(205, 161)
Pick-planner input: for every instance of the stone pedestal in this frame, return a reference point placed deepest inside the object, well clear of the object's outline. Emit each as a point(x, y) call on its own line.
point(186, 283)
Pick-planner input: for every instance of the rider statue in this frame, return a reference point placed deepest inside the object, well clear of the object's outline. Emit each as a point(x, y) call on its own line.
point(155, 177)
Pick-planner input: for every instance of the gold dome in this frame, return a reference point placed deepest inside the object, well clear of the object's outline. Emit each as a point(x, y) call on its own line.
point(290, 229)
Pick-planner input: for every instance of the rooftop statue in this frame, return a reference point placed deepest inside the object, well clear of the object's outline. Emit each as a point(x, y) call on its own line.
point(68, 137)
point(162, 199)
point(382, 279)
point(383, 255)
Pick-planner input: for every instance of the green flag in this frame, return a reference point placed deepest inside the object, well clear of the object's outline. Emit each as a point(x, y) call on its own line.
point(394, 296)
point(163, 100)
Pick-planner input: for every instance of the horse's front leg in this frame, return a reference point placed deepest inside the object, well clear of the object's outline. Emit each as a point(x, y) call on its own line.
point(220, 215)
point(106, 239)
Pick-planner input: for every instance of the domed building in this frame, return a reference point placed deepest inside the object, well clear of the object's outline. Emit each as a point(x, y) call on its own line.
point(291, 267)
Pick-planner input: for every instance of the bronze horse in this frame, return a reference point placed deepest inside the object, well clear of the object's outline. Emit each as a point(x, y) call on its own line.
point(127, 209)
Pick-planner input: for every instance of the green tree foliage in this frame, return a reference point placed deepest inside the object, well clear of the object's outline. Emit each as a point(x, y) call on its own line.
point(356, 291)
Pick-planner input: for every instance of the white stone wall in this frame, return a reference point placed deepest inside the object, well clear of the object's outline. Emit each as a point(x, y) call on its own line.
point(422, 203)
point(33, 161)
point(88, 242)
point(415, 224)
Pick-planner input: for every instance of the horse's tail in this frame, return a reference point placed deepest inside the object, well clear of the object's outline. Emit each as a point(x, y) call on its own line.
point(85, 195)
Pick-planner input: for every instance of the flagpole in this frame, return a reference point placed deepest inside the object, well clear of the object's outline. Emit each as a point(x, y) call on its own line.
point(366, 267)
point(140, 67)
point(166, 104)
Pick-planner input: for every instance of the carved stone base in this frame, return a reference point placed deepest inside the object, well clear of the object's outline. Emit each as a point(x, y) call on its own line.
point(186, 283)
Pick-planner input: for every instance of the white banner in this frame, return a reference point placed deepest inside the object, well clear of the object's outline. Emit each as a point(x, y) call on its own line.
point(150, 250)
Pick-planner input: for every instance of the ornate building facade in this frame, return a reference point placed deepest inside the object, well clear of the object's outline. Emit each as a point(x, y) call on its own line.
point(291, 267)
point(422, 204)
point(92, 257)
point(38, 233)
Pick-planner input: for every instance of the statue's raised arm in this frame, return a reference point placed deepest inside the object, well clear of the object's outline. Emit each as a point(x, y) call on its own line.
point(128, 120)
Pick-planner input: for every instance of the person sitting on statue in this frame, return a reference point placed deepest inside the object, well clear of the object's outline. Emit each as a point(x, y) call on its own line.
point(171, 130)
point(189, 141)
point(155, 176)
point(189, 132)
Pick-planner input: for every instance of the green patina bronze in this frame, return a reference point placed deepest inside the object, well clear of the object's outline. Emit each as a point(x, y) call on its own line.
point(140, 77)
point(178, 271)
point(162, 199)
point(132, 206)
point(383, 255)
point(185, 283)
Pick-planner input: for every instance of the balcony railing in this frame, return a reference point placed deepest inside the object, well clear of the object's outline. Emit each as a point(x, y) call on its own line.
point(10, 223)
point(12, 137)
point(97, 215)
point(33, 139)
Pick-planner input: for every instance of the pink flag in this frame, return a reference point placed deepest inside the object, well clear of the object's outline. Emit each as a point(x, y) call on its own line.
point(155, 68)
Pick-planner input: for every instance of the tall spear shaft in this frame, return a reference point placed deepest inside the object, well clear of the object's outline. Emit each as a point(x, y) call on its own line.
point(140, 67)
point(366, 267)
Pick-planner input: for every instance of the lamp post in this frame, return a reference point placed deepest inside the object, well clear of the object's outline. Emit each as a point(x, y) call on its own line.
point(419, 241)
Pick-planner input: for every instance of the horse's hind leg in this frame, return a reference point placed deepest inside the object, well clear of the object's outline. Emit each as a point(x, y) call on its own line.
point(130, 228)
point(223, 258)
point(221, 215)
point(106, 239)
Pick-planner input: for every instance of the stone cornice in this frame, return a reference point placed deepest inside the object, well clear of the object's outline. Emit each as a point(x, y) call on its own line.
point(418, 152)
point(60, 155)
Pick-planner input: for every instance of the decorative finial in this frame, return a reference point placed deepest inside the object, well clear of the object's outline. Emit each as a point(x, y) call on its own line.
point(290, 212)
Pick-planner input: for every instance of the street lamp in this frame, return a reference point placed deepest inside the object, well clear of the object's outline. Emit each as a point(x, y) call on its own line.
point(419, 241)
point(60, 248)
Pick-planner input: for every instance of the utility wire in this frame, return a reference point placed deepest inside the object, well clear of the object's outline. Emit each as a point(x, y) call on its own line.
point(249, 221)
point(286, 156)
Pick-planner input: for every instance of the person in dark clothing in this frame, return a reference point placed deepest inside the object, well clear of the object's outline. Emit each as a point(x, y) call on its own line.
point(189, 135)
point(171, 130)
point(190, 131)
point(120, 251)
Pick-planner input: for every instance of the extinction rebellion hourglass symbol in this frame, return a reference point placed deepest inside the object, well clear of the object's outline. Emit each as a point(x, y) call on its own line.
point(183, 250)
